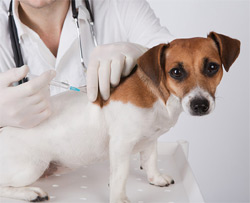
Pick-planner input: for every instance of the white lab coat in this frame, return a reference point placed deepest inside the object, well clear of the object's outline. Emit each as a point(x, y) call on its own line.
point(115, 21)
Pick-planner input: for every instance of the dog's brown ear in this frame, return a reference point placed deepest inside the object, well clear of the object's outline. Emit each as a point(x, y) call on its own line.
point(228, 48)
point(152, 63)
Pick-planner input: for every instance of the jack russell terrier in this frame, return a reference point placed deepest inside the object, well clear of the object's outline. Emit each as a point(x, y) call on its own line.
point(169, 78)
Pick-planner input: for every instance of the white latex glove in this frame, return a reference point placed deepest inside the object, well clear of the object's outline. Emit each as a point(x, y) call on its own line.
point(25, 105)
point(107, 64)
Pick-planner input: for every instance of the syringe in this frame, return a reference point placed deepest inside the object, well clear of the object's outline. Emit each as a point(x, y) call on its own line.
point(63, 85)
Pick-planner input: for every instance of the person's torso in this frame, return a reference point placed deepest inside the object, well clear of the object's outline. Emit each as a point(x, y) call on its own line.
point(67, 63)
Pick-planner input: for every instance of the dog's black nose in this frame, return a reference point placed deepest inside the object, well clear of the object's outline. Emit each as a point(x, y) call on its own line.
point(199, 106)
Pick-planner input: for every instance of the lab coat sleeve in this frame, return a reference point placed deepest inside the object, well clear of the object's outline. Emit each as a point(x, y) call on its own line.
point(6, 53)
point(140, 23)
point(6, 59)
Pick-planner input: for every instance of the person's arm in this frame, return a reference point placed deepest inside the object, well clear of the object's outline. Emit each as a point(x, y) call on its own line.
point(108, 63)
point(25, 105)
point(141, 24)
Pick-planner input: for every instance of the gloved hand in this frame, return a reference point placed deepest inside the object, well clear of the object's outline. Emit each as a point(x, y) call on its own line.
point(107, 64)
point(25, 105)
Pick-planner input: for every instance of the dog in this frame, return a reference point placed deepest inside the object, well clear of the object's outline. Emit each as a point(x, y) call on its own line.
point(169, 78)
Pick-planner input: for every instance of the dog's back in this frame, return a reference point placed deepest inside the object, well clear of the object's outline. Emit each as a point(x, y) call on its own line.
point(169, 77)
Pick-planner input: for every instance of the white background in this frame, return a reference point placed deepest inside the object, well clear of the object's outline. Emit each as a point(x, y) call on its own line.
point(219, 142)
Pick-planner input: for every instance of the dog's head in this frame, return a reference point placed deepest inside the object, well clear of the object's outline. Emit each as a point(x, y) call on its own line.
point(190, 69)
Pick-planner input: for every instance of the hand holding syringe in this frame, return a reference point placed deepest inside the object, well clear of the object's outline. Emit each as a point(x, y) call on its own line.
point(63, 85)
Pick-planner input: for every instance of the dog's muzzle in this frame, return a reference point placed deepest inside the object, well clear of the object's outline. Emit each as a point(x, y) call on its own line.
point(198, 102)
point(199, 106)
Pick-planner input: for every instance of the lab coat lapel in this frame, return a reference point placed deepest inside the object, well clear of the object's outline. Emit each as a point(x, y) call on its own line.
point(68, 36)
point(69, 32)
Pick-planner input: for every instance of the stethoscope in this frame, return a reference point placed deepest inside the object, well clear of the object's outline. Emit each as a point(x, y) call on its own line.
point(15, 40)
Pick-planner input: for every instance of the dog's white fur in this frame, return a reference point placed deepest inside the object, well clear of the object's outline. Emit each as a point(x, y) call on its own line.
point(197, 92)
point(80, 133)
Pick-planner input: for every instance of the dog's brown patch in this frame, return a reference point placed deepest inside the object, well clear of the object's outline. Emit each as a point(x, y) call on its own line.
point(133, 90)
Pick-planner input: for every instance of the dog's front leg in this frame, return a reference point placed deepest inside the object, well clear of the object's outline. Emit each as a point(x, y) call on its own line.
point(149, 162)
point(119, 151)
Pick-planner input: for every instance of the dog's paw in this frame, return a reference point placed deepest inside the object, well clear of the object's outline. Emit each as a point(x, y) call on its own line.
point(161, 180)
point(34, 194)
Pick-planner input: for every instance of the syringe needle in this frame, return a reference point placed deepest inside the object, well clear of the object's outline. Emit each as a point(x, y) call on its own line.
point(63, 85)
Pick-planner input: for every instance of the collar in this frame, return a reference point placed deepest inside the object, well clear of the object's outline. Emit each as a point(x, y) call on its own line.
point(23, 29)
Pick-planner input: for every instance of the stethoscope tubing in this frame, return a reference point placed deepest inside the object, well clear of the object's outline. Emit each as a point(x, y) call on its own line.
point(15, 42)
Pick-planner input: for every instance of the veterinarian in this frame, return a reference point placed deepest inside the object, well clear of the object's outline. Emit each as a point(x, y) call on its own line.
point(49, 41)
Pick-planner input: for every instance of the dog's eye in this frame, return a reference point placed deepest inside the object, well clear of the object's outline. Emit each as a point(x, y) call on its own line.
point(178, 73)
point(211, 69)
